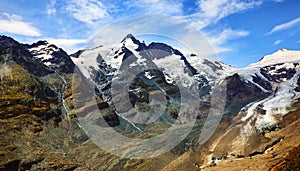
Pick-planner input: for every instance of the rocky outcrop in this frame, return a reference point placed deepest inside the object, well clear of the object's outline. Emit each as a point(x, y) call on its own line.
point(240, 93)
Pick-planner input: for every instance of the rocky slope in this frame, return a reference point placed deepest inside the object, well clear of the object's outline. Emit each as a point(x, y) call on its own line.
point(276, 78)
point(31, 100)
point(45, 93)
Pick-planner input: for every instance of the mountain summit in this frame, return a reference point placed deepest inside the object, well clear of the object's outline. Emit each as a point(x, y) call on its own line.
point(281, 56)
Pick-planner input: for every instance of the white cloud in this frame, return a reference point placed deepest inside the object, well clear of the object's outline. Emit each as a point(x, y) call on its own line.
point(51, 11)
point(222, 38)
point(277, 42)
point(285, 26)
point(169, 7)
point(88, 11)
point(186, 39)
point(51, 7)
point(190, 36)
point(227, 35)
point(14, 24)
point(69, 45)
point(211, 11)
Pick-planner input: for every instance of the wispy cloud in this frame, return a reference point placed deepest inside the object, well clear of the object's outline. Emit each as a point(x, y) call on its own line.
point(169, 7)
point(211, 11)
point(222, 38)
point(87, 11)
point(228, 34)
point(69, 45)
point(285, 26)
point(51, 7)
point(277, 42)
point(14, 24)
point(218, 9)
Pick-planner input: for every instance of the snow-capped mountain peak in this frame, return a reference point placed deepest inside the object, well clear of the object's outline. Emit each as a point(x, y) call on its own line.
point(281, 56)
point(131, 53)
point(130, 37)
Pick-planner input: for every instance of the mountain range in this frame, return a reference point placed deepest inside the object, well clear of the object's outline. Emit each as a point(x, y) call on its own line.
point(48, 97)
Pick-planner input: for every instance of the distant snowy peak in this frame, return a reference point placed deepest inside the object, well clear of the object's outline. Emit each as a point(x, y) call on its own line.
point(281, 56)
point(272, 69)
point(43, 50)
point(51, 56)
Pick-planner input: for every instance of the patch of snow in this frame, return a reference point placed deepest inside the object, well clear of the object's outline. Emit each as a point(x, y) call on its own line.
point(148, 75)
point(280, 104)
point(88, 60)
point(169, 79)
point(175, 69)
point(130, 44)
point(250, 110)
point(113, 56)
point(45, 56)
point(216, 160)
point(283, 67)
point(47, 63)
point(198, 63)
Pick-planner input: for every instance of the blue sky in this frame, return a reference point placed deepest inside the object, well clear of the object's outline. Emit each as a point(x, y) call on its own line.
point(241, 31)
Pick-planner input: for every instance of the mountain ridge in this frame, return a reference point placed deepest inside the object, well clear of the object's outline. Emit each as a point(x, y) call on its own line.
point(259, 98)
